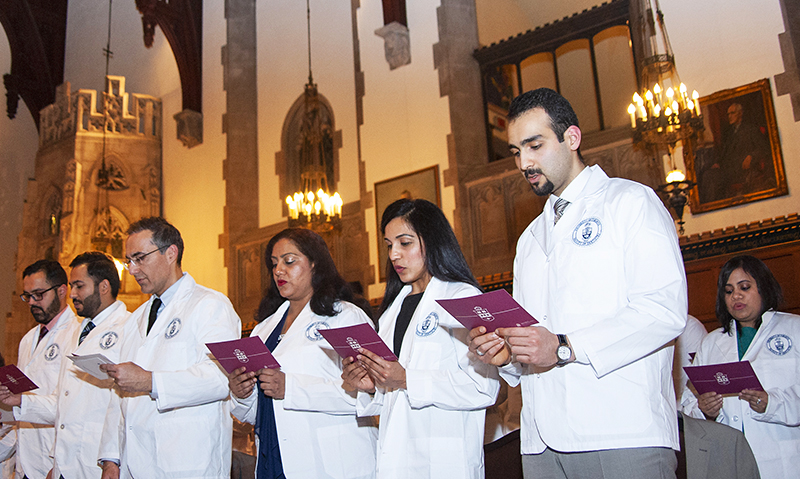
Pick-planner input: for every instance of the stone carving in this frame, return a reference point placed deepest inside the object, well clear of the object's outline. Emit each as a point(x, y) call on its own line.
point(396, 44)
point(76, 112)
point(189, 128)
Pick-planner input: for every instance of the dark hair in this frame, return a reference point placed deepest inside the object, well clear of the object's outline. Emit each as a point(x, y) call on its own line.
point(561, 114)
point(53, 272)
point(443, 257)
point(164, 234)
point(329, 287)
point(99, 266)
point(768, 288)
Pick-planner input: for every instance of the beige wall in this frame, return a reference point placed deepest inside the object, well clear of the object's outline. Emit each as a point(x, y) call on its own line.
point(18, 142)
point(406, 122)
point(194, 192)
point(738, 47)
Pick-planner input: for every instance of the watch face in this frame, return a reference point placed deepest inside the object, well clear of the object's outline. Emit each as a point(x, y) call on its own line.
point(563, 353)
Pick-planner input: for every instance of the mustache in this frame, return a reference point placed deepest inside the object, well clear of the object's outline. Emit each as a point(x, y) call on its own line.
point(531, 171)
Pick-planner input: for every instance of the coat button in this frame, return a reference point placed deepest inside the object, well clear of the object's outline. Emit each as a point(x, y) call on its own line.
point(62, 426)
point(735, 418)
point(66, 393)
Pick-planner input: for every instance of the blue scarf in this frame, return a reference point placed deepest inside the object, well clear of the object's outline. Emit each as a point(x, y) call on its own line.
point(269, 452)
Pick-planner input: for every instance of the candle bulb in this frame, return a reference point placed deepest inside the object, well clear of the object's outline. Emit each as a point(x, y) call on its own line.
point(632, 112)
point(696, 98)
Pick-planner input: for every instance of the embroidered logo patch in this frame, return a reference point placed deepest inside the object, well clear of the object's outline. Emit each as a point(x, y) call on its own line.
point(587, 232)
point(311, 331)
point(108, 340)
point(427, 326)
point(51, 352)
point(779, 344)
point(173, 328)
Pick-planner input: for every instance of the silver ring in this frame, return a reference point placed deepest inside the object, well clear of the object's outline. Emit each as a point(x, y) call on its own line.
point(478, 352)
point(759, 401)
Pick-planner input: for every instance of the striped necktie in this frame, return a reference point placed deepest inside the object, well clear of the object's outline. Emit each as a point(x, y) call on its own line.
point(558, 209)
point(86, 330)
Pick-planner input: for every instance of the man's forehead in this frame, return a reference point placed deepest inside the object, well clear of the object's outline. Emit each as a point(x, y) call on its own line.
point(137, 242)
point(533, 122)
point(37, 279)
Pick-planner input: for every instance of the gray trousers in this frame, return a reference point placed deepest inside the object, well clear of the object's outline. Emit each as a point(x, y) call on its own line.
point(635, 463)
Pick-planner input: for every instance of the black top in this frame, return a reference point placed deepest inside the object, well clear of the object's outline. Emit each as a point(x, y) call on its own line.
point(410, 304)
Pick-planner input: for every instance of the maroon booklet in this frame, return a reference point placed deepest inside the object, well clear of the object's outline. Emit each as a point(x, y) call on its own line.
point(15, 380)
point(495, 309)
point(725, 378)
point(349, 339)
point(250, 352)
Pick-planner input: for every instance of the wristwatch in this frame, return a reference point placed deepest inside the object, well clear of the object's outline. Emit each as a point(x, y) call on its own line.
point(564, 352)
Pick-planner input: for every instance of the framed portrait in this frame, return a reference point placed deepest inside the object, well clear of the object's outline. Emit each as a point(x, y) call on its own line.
point(421, 184)
point(737, 158)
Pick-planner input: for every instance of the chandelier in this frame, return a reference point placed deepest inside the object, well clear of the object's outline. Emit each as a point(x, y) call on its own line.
point(314, 206)
point(664, 113)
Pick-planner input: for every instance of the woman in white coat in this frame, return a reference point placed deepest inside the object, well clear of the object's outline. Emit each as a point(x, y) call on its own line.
point(432, 400)
point(747, 297)
point(305, 421)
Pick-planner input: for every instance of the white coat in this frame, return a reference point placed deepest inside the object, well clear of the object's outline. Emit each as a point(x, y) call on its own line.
point(42, 363)
point(434, 427)
point(318, 431)
point(774, 353)
point(79, 403)
point(610, 276)
point(185, 432)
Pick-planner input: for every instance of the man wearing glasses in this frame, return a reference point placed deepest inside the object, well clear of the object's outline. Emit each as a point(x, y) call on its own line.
point(41, 351)
point(174, 419)
point(79, 403)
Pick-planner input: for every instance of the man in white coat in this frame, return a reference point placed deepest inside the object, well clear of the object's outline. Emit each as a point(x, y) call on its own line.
point(601, 270)
point(41, 351)
point(173, 419)
point(79, 402)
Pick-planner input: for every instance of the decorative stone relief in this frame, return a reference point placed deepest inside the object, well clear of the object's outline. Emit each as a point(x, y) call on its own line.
point(189, 128)
point(396, 44)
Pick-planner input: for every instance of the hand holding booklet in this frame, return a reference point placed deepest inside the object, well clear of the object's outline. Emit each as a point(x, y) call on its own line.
point(90, 363)
point(15, 380)
point(495, 309)
point(725, 378)
point(250, 352)
point(349, 339)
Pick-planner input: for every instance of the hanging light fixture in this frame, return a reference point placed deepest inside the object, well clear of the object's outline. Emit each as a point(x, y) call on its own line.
point(314, 206)
point(105, 238)
point(664, 113)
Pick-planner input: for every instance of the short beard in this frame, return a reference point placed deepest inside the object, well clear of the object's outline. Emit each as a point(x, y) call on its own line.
point(44, 316)
point(90, 306)
point(543, 190)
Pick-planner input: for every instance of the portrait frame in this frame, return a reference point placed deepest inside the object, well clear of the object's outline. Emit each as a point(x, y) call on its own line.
point(717, 160)
point(420, 184)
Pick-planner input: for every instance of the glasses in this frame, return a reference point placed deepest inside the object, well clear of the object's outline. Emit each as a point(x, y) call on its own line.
point(36, 295)
point(138, 258)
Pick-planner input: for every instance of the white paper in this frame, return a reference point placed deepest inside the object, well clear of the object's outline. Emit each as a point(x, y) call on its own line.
point(91, 364)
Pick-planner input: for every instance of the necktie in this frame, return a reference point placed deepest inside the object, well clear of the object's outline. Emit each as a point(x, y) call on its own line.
point(42, 333)
point(86, 329)
point(153, 313)
point(558, 209)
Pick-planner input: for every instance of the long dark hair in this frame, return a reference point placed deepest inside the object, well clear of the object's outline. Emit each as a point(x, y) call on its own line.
point(329, 287)
point(768, 288)
point(443, 257)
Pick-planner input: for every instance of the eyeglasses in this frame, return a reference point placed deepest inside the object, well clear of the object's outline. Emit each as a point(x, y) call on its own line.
point(36, 295)
point(138, 258)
